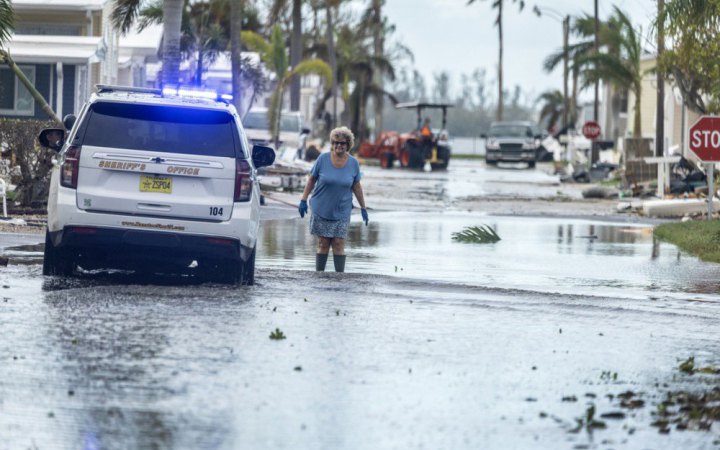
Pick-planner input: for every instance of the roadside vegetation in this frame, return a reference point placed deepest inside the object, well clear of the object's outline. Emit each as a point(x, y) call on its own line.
point(697, 237)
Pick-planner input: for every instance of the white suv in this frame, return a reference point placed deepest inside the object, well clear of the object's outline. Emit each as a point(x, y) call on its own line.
point(155, 181)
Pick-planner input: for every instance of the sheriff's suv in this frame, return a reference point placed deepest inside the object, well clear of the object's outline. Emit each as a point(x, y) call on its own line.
point(154, 181)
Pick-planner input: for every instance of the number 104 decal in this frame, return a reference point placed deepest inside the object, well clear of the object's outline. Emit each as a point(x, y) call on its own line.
point(215, 211)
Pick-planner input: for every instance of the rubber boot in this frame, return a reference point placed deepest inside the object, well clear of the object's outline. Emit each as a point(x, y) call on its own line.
point(320, 261)
point(339, 261)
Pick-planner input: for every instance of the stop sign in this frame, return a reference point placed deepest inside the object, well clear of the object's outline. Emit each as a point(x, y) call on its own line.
point(591, 130)
point(705, 138)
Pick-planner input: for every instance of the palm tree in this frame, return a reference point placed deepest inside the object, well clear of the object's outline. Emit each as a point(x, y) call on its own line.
point(203, 30)
point(125, 13)
point(379, 44)
point(552, 108)
point(276, 9)
point(622, 69)
point(575, 54)
point(236, 15)
point(274, 55)
point(498, 4)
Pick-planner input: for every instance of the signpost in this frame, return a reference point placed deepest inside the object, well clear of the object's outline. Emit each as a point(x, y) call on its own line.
point(591, 130)
point(705, 144)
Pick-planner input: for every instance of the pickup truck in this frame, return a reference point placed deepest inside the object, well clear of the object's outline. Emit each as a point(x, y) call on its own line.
point(516, 141)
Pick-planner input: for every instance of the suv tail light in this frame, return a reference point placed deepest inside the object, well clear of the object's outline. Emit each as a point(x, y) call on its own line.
point(243, 181)
point(70, 167)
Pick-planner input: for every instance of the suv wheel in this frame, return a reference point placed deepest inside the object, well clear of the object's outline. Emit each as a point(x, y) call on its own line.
point(249, 270)
point(56, 262)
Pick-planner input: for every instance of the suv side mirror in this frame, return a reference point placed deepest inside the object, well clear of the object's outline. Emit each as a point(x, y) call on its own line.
point(262, 156)
point(52, 138)
point(69, 121)
point(483, 135)
point(305, 131)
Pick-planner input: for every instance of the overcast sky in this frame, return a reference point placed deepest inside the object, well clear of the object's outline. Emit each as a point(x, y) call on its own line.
point(450, 35)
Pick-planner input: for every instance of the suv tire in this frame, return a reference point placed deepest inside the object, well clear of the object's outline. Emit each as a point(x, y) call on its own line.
point(56, 262)
point(248, 269)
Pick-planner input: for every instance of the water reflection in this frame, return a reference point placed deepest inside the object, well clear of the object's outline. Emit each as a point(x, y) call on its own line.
point(544, 254)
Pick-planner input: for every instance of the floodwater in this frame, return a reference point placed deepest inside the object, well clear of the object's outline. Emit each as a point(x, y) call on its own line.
point(423, 343)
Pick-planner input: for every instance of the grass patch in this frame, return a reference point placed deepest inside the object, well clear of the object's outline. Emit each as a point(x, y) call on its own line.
point(698, 237)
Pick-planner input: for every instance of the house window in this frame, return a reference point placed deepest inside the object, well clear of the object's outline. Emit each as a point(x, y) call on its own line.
point(15, 99)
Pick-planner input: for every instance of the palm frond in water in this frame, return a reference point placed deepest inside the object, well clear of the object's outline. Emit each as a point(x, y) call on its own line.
point(483, 234)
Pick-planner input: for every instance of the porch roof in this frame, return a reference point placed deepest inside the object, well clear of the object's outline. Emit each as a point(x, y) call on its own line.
point(58, 5)
point(53, 49)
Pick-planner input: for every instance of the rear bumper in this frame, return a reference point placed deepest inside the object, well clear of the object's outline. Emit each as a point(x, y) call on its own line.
point(111, 247)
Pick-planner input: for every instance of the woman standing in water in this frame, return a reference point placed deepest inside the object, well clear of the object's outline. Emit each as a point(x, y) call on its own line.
point(333, 180)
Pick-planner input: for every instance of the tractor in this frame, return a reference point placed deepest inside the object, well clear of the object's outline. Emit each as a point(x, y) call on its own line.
point(412, 150)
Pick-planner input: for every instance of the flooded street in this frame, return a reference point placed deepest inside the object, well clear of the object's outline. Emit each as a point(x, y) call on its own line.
point(424, 343)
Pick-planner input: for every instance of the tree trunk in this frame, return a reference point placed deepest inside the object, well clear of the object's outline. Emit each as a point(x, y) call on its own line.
point(573, 98)
point(379, 50)
point(333, 64)
point(296, 53)
point(172, 18)
point(501, 100)
point(235, 52)
point(637, 127)
point(660, 115)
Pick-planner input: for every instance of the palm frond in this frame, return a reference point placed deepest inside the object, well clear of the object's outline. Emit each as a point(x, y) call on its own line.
point(152, 14)
point(124, 13)
point(256, 43)
point(313, 66)
point(484, 234)
point(7, 20)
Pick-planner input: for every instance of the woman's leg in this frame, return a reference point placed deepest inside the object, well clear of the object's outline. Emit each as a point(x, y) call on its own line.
point(338, 246)
point(321, 257)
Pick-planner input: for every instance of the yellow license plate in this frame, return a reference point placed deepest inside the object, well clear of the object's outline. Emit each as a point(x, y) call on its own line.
point(150, 183)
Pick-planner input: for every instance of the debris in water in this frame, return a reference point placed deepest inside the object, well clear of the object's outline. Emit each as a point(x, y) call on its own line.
point(277, 335)
point(483, 234)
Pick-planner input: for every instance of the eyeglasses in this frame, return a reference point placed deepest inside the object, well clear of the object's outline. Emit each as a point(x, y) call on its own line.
point(340, 143)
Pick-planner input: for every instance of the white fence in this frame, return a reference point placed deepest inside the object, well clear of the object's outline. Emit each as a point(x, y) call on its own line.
point(468, 146)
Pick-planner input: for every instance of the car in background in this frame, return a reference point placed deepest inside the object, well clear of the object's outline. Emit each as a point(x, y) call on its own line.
point(154, 181)
point(292, 133)
point(290, 169)
point(513, 141)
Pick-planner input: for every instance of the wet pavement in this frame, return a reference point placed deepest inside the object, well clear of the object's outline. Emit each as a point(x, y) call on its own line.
point(424, 343)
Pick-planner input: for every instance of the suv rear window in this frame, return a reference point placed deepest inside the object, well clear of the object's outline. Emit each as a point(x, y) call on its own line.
point(161, 128)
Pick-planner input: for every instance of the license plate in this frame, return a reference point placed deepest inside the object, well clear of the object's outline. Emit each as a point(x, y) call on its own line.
point(150, 183)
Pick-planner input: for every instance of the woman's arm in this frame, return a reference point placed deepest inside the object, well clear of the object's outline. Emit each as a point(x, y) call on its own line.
point(309, 186)
point(358, 191)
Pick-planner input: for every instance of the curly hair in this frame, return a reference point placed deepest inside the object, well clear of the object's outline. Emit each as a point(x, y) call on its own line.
point(343, 134)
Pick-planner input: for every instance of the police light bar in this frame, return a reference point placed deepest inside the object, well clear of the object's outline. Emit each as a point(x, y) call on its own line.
point(186, 92)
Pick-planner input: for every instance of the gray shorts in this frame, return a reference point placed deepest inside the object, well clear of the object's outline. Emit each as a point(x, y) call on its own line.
point(329, 228)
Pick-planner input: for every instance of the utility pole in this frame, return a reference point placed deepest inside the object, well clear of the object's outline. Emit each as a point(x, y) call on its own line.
point(566, 35)
point(660, 114)
point(597, 49)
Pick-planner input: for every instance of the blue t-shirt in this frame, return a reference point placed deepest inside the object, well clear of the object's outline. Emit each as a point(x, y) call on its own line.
point(332, 197)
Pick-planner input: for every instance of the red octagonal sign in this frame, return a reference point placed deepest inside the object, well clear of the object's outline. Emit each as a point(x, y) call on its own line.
point(705, 138)
point(591, 130)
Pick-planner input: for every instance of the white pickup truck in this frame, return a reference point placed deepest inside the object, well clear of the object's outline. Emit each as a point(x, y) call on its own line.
point(290, 169)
